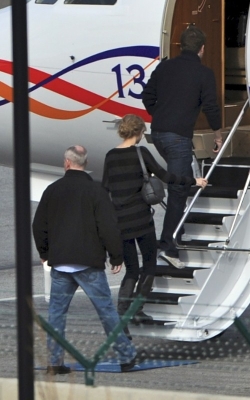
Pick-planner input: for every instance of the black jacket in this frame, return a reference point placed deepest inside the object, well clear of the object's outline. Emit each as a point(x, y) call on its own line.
point(75, 223)
point(176, 91)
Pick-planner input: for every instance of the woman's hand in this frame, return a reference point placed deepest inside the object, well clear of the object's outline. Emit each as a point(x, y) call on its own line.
point(217, 145)
point(115, 269)
point(201, 182)
point(217, 141)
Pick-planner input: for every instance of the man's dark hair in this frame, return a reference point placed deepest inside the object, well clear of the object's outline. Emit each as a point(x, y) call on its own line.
point(192, 39)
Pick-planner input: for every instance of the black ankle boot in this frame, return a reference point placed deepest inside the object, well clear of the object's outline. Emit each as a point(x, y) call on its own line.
point(143, 287)
point(141, 318)
point(124, 300)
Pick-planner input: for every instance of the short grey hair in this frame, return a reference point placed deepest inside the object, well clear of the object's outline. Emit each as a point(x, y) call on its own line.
point(78, 155)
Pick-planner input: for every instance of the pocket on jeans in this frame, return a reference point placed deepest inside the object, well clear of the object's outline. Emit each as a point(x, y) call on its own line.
point(92, 276)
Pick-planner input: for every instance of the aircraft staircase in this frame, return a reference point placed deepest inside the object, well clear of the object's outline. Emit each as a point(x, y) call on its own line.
point(202, 300)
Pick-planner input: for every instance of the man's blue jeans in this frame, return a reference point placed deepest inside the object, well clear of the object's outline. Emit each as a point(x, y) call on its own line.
point(95, 285)
point(177, 152)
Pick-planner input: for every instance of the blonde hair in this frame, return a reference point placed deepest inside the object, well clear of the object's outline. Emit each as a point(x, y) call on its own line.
point(130, 126)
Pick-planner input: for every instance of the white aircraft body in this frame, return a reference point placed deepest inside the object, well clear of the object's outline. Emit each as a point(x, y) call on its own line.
point(88, 62)
point(87, 68)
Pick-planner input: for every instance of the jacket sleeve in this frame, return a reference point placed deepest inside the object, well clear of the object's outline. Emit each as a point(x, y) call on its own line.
point(154, 168)
point(149, 93)
point(40, 228)
point(209, 100)
point(108, 229)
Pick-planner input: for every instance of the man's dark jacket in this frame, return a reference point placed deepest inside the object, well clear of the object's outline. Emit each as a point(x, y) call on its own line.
point(75, 223)
point(177, 90)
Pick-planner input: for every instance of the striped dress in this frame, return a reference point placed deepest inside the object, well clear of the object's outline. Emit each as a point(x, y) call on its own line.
point(123, 178)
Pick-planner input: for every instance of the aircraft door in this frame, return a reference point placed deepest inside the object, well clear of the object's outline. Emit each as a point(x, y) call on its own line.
point(208, 16)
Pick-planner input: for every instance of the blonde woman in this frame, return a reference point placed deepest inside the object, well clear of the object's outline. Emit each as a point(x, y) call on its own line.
point(123, 178)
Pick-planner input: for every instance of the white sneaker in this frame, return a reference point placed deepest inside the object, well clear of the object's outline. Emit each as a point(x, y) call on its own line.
point(173, 261)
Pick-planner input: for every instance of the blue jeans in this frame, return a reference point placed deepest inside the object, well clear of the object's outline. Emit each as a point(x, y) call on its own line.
point(95, 285)
point(148, 247)
point(177, 152)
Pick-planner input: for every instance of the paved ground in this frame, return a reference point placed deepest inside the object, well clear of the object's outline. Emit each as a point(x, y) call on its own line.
point(223, 364)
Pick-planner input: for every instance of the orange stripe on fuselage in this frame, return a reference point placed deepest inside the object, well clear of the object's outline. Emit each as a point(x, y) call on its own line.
point(104, 104)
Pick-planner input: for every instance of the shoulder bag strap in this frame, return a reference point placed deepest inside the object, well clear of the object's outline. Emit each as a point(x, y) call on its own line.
point(144, 170)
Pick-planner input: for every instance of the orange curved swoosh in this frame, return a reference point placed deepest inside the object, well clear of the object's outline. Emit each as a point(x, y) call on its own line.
point(44, 110)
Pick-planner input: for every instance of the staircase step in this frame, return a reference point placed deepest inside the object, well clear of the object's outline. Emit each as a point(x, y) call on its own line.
point(198, 242)
point(210, 232)
point(187, 280)
point(161, 305)
point(165, 298)
point(188, 243)
point(226, 173)
point(155, 323)
point(160, 329)
point(218, 205)
point(191, 258)
point(206, 218)
point(194, 258)
point(239, 162)
point(167, 270)
point(216, 192)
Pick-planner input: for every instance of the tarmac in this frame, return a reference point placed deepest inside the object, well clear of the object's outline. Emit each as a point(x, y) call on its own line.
point(222, 364)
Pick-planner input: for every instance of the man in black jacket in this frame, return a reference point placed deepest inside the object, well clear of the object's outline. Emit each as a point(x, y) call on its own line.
point(176, 91)
point(74, 225)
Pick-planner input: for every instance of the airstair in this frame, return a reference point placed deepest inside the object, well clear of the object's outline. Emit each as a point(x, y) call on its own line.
point(202, 300)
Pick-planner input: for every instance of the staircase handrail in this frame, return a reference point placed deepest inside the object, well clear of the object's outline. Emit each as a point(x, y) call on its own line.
point(197, 194)
point(238, 208)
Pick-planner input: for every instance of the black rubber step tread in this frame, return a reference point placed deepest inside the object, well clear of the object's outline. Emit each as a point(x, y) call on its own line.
point(194, 242)
point(162, 323)
point(234, 173)
point(236, 161)
point(164, 298)
point(185, 273)
point(216, 192)
point(197, 242)
point(206, 218)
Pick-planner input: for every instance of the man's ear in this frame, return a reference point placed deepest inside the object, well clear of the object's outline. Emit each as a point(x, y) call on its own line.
point(66, 164)
point(201, 52)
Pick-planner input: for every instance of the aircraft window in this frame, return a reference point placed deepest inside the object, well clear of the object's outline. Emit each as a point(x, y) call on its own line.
point(92, 2)
point(45, 1)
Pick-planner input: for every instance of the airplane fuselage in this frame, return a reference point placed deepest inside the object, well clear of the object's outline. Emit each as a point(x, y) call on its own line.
point(87, 64)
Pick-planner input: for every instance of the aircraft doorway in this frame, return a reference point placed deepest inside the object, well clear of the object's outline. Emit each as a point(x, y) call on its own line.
point(224, 22)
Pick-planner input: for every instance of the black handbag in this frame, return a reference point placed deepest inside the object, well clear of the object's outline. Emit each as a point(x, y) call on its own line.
point(152, 189)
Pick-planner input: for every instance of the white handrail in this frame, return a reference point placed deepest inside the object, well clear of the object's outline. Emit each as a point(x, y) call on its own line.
point(214, 164)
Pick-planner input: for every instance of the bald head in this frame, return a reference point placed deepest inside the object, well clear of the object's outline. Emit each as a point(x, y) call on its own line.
point(75, 157)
